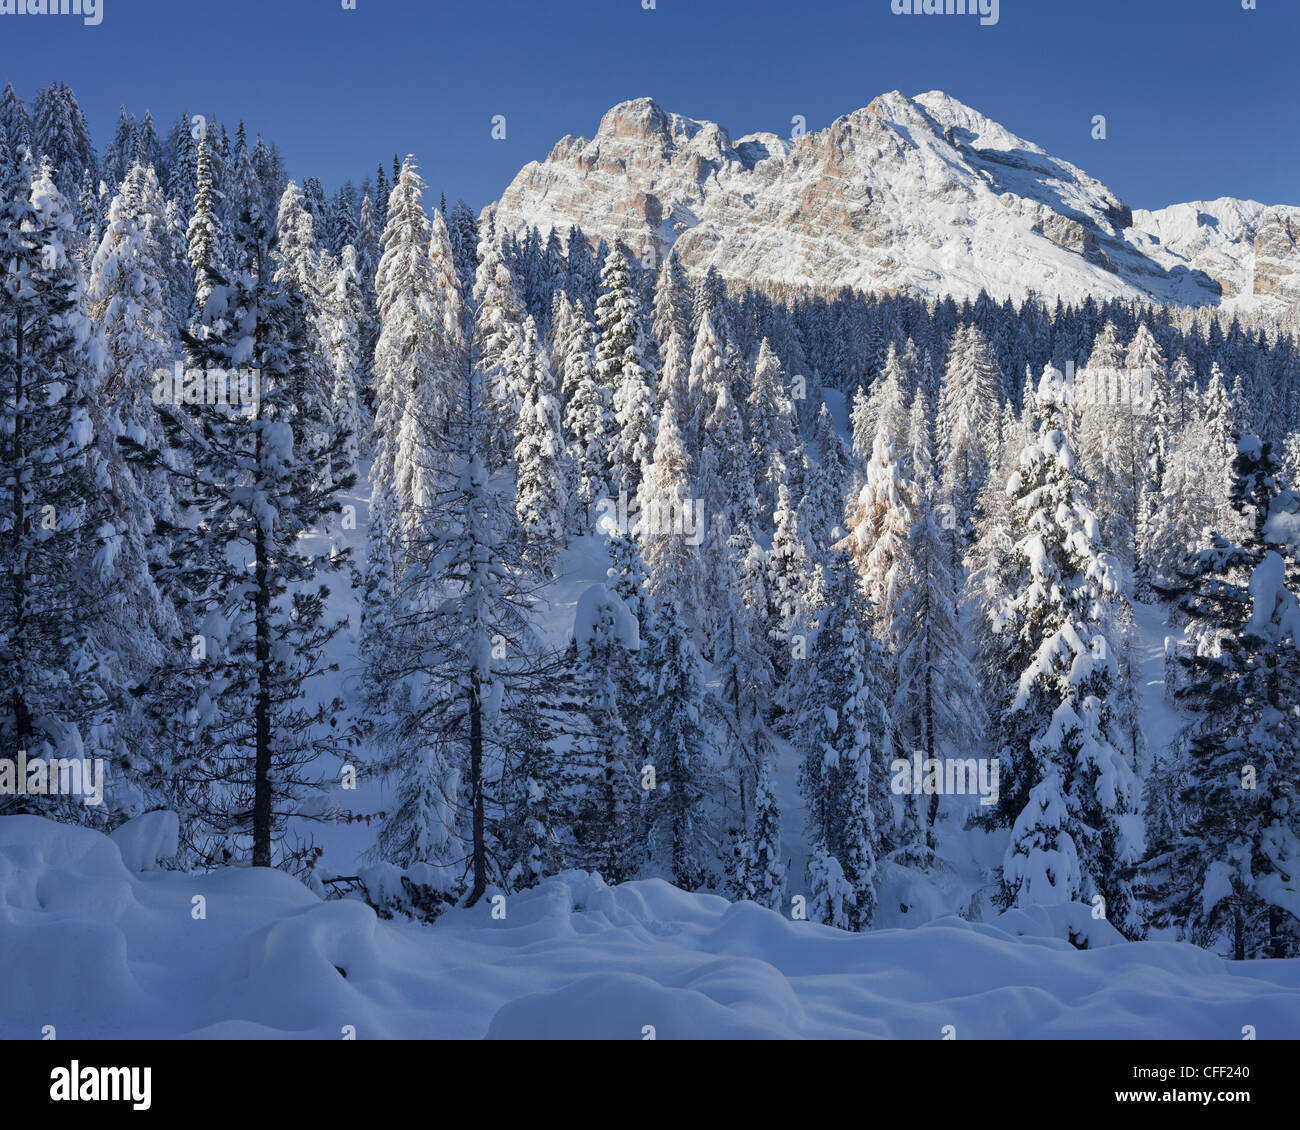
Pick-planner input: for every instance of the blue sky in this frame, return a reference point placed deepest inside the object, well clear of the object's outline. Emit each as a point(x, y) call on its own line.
point(1200, 96)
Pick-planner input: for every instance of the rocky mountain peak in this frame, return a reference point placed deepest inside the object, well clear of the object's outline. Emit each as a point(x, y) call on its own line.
point(923, 194)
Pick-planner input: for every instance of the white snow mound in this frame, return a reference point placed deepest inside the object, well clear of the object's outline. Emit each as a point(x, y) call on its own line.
point(103, 951)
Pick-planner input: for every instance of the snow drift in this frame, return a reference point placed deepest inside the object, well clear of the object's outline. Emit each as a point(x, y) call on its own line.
point(101, 950)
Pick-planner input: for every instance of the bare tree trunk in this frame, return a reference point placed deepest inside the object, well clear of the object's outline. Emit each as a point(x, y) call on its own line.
point(262, 707)
point(22, 716)
point(933, 814)
point(476, 789)
point(612, 868)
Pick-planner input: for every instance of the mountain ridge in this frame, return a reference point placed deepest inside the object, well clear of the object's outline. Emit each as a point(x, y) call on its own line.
point(924, 195)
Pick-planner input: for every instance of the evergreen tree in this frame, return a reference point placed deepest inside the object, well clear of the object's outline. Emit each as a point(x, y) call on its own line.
point(745, 676)
point(767, 872)
point(607, 822)
point(419, 357)
point(15, 123)
point(881, 524)
point(541, 500)
point(121, 150)
point(621, 367)
point(204, 237)
point(676, 741)
point(343, 319)
point(443, 679)
point(707, 378)
point(182, 161)
point(1066, 792)
point(936, 701)
point(61, 134)
point(821, 510)
point(787, 574)
point(848, 737)
point(126, 295)
point(665, 524)
point(773, 432)
point(673, 722)
point(830, 896)
point(299, 268)
point(968, 431)
point(498, 345)
point(1224, 868)
point(671, 301)
point(56, 538)
point(240, 713)
point(590, 424)
point(885, 404)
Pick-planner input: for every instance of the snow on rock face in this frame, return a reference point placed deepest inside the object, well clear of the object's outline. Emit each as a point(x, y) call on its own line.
point(123, 955)
point(920, 194)
point(1248, 248)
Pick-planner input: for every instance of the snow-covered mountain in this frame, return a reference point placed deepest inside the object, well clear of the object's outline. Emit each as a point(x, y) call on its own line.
point(918, 194)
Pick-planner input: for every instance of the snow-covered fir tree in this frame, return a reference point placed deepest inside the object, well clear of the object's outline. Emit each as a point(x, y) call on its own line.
point(541, 494)
point(250, 593)
point(57, 534)
point(847, 735)
point(1223, 870)
point(1066, 792)
point(621, 367)
point(607, 820)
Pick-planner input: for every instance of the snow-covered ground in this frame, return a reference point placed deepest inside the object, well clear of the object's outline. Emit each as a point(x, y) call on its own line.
point(100, 951)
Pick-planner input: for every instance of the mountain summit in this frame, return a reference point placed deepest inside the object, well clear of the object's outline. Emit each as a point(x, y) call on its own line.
point(923, 195)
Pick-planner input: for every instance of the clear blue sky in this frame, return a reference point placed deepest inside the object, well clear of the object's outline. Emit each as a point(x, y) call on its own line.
point(1201, 97)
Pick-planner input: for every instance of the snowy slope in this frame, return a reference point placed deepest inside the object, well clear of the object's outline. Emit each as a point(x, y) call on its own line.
point(1249, 248)
point(121, 954)
point(920, 194)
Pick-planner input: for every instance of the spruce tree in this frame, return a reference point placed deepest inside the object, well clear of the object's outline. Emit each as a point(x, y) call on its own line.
point(1065, 790)
point(541, 498)
point(247, 590)
point(847, 735)
point(676, 741)
point(56, 534)
point(498, 345)
point(205, 237)
point(1223, 869)
point(767, 874)
point(773, 433)
point(608, 641)
point(589, 421)
point(343, 318)
point(621, 366)
point(936, 700)
point(967, 431)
